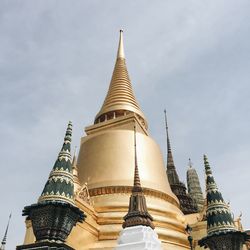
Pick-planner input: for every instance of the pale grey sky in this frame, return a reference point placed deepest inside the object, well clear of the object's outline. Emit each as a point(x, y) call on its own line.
point(56, 60)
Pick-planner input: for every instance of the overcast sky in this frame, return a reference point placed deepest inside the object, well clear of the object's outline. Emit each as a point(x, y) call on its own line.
point(56, 61)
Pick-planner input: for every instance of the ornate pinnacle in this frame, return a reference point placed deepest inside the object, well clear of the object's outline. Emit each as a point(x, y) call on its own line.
point(120, 52)
point(137, 214)
point(190, 163)
point(120, 98)
point(194, 187)
point(60, 186)
point(55, 213)
point(168, 141)
point(219, 217)
point(221, 231)
point(171, 171)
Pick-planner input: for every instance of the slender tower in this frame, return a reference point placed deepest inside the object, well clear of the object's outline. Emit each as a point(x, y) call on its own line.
point(55, 213)
point(138, 224)
point(187, 204)
point(221, 231)
point(194, 187)
point(3, 243)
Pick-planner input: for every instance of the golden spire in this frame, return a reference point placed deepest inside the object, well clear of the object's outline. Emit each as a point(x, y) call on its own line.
point(120, 52)
point(120, 99)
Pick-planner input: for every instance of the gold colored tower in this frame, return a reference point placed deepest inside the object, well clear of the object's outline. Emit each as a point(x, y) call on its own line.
point(105, 168)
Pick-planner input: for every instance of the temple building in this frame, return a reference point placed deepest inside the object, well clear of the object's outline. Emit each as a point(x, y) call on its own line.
point(117, 193)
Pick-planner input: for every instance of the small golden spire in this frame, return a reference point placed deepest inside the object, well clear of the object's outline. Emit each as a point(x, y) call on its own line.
point(138, 214)
point(120, 52)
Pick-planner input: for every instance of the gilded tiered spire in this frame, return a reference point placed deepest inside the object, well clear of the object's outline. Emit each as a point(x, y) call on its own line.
point(120, 99)
point(138, 214)
point(60, 185)
point(194, 187)
point(219, 217)
point(3, 243)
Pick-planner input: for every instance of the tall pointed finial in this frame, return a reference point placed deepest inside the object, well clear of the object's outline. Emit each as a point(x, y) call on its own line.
point(60, 186)
point(194, 187)
point(173, 177)
point(219, 217)
point(5, 235)
point(120, 99)
point(138, 214)
point(166, 123)
point(190, 163)
point(137, 182)
point(55, 213)
point(120, 52)
point(221, 230)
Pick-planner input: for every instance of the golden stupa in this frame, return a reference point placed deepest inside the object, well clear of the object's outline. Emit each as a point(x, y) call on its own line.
point(104, 171)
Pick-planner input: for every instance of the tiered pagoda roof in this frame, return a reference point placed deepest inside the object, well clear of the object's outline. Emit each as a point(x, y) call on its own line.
point(120, 99)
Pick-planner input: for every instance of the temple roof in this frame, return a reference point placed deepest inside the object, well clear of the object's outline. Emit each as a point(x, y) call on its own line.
point(60, 186)
point(120, 97)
